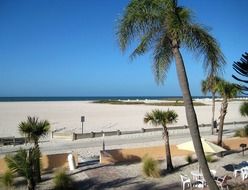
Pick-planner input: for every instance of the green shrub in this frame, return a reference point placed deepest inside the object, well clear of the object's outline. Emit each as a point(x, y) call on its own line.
point(242, 132)
point(210, 158)
point(150, 167)
point(7, 179)
point(189, 158)
point(62, 181)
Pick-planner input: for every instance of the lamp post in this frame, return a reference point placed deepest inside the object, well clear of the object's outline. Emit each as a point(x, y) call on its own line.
point(103, 143)
point(82, 120)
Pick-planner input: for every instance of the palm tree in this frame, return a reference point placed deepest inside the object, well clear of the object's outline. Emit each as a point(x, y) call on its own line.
point(210, 85)
point(34, 129)
point(227, 91)
point(165, 27)
point(23, 163)
point(158, 117)
point(244, 109)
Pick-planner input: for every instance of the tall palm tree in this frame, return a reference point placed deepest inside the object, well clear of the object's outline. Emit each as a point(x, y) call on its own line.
point(165, 27)
point(210, 85)
point(23, 163)
point(159, 117)
point(34, 129)
point(227, 91)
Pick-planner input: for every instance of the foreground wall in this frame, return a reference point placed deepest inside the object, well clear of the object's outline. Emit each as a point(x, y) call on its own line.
point(48, 162)
point(136, 154)
point(157, 152)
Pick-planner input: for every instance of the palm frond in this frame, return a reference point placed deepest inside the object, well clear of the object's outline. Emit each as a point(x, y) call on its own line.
point(241, 67)
point(198, 39)
point(140, 17)
point(162, 57)
point(145, 44)
point(227, 90)
point(158, 117)
point(210, 84)
point(34, 129)
point(23, 163)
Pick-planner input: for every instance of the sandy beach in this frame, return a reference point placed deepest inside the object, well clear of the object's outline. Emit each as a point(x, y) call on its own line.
point(98, 117)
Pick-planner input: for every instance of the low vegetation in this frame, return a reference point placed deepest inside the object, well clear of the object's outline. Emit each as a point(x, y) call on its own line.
point(189, 159)
point(150, 167)
point(242, 132)
point(62, 181)
point(210, 158)
point(168, 103)
point(7, 180)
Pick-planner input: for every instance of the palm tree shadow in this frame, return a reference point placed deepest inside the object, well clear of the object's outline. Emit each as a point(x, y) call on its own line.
point(85, 184)
point(117, 183)
point(165, 172)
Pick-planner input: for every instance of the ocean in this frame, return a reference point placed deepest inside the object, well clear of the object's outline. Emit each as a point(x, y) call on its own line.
point(89, 98)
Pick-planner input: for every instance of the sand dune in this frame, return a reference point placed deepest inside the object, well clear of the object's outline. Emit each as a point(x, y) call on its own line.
point(98, 117)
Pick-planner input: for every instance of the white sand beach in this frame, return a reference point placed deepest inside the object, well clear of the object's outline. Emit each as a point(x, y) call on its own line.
point(98, 117)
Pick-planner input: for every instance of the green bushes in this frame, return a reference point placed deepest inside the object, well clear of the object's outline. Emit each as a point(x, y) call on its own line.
point(7, 180)
point(242, 132)
point(210, 158)
point(150, 167)
point(62, 181)
point(189, 159)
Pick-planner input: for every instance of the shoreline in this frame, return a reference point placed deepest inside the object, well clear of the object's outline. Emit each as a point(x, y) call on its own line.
point(107, 98)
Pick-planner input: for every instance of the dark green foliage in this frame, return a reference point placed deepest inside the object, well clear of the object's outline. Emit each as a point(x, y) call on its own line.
point(62, 181)
point(34, 129)
point(244, 109)
point(227, 90)
point(189, 159)
point(7, 180)
point(23, 163)
point(160, 26)
point(159, 117)
point(150, 167)
point(241, 67)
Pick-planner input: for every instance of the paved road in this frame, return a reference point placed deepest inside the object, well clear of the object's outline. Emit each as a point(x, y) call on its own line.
point(56, 146)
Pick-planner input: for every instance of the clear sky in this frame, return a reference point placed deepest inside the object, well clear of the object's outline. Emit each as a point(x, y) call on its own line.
point(69, 48)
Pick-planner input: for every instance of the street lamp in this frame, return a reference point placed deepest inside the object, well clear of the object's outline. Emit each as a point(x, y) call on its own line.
point(82, 120)
point(103, 143)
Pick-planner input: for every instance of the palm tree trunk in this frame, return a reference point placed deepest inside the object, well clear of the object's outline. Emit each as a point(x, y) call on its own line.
point(30, 184)
point(37, 164)
point(213, 112)
point(167, 150)
point(223, 112)
point(191, 118)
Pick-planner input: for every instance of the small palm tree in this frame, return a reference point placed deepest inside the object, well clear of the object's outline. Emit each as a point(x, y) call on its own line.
point(164, 28)
point(34, 129)
point(227, 91)
point(210, 85)
point(157, 118)
point(23, 163)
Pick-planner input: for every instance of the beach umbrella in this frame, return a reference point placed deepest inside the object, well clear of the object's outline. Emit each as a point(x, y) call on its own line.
point(208, 147)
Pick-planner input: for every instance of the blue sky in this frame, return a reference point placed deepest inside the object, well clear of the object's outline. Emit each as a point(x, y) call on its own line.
point(69, 48)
